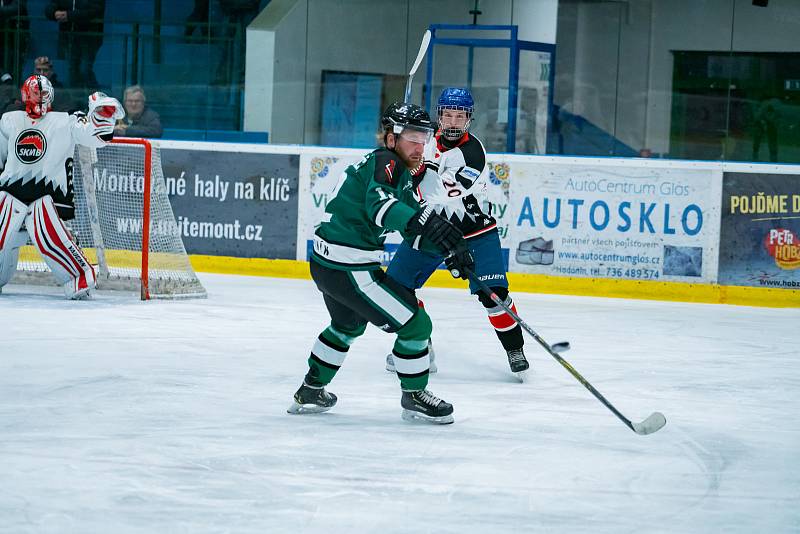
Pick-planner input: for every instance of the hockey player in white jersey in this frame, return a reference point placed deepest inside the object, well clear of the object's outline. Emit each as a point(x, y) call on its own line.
point(36, 192)
point(454, 184)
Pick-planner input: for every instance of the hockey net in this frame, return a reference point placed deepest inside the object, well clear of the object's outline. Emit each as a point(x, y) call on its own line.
point(132, 237)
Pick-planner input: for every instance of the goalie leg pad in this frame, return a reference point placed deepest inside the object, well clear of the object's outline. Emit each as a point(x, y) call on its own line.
point(63, 256)
point(12, 215)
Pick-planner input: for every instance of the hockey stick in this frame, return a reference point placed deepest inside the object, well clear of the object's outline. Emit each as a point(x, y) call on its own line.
point(653, 423)
point(423, 47)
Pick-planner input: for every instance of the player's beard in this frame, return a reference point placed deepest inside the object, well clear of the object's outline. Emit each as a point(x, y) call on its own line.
point(413, 164)
point(411, 159)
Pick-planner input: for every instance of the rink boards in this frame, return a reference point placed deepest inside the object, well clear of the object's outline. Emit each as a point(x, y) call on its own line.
point(694, 231)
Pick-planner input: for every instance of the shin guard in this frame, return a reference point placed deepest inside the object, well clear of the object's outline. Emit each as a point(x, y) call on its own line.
point(410, 352)
point(12, 215)
point(505, 326)
point(329, 353)
point(63, 256)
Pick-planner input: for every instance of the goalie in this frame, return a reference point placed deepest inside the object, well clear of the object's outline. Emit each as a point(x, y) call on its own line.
point(36, 192)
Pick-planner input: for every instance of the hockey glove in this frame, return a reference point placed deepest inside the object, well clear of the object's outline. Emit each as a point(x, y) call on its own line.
point(104, 111)
point(435, 228)
point(461, 263)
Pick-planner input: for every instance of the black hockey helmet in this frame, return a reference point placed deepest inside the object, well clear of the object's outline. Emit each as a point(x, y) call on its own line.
point(402, 116)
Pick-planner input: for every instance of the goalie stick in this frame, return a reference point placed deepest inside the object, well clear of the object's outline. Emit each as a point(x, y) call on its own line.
point(654, 422)
point(423, 47)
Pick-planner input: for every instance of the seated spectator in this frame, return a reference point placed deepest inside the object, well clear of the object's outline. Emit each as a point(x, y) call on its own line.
point(139, 121)
point(9, 94)
point(42, 65)
point(63, 100)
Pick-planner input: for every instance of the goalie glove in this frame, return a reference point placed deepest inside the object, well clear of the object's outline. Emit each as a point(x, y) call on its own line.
point(104, 111)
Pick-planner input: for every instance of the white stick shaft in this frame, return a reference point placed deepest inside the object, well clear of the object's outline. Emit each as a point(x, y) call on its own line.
point(423, 47)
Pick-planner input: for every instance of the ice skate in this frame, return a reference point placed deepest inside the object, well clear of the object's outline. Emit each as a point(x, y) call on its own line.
point(84, 293)
point(309, 399)
point(425, 406)
point(519, 365)
point(432, 369)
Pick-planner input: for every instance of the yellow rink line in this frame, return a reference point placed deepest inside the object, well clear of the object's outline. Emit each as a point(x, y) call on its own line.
point(126, 259)
point(537, 283)
point(530, 283)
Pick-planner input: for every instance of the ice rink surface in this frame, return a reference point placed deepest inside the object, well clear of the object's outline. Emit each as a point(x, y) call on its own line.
point(120, 416)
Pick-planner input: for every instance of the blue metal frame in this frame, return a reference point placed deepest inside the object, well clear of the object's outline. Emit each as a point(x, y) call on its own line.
point(514, 45)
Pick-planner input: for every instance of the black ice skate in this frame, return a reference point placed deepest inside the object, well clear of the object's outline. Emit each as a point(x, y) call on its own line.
point(519, 365)
point(426, 406)
point(310, 399)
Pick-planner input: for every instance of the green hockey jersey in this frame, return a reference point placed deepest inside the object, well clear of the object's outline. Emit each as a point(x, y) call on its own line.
point(372, 198)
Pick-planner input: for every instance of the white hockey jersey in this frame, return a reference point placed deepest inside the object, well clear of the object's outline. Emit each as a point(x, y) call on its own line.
point(455, 183)
point(36, 155)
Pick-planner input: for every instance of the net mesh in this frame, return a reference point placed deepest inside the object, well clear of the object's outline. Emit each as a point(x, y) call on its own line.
point(109, 187)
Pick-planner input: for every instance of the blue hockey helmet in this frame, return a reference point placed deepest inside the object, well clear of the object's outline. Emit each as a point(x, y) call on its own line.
point(456, 98)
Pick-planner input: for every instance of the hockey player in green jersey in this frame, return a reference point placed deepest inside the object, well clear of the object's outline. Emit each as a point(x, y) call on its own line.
point(372, 198)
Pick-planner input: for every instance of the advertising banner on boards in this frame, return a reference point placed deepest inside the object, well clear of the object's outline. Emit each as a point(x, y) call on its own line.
point(760, 230)
point(614, 221)
point(233, 203)
point(497, 200)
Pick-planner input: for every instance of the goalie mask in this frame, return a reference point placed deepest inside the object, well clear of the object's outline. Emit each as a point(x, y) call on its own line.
point(408, 121)
point(37, 95)
point(454, 110)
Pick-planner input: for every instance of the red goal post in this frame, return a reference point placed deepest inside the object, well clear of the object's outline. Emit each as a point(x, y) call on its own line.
point(148, 183)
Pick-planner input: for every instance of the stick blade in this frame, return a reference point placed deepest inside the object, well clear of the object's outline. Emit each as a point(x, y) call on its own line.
point(653, 423)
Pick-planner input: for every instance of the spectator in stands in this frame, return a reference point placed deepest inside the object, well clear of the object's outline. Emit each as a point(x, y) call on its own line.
point(9, 94)
point(765, 125)
point(80, 36)
point(14, 35)
point(237, 15)
point(197, 19)
point(139, 121)
point(42, 65)
point(63, 100)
